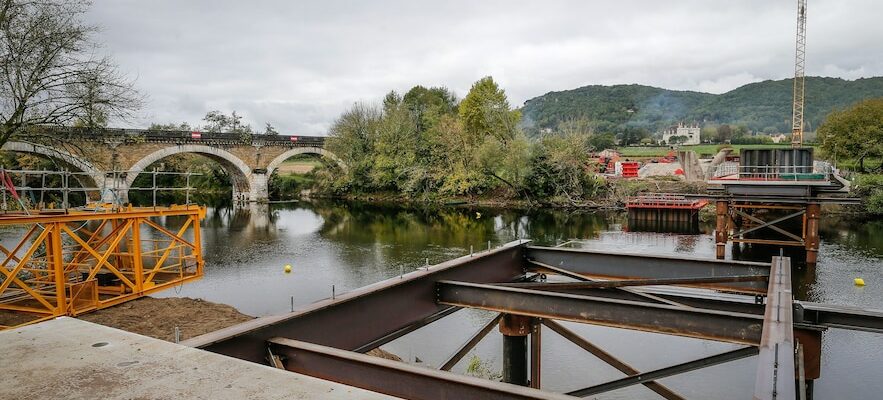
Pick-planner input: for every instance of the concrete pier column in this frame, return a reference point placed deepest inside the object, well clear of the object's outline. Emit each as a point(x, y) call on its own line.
point(813, 212)
point(259, 188)
point(721, 230)
point(515, 329)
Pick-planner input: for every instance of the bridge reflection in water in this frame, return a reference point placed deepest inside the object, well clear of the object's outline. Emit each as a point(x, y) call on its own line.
point(664, 221)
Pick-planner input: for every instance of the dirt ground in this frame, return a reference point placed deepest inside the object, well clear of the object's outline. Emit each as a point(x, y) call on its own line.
point(158, 317)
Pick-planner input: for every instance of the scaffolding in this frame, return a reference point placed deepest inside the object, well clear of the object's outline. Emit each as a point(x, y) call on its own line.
point(42, 189)
point(70, 260)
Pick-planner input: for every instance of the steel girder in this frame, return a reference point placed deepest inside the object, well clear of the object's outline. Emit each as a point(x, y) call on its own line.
point(659, 318)
point(636, 266)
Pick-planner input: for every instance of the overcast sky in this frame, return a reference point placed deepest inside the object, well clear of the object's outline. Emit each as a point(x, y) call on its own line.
point(298, 64)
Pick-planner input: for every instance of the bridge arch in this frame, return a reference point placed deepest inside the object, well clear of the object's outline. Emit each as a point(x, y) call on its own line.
point(303, 150)
point(240, 173)
point(77, 162)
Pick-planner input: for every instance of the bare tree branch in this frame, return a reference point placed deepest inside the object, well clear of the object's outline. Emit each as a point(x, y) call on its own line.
point(51, 74)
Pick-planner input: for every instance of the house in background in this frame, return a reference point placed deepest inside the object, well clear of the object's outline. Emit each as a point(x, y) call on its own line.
point(690, 134)
point(780, 138)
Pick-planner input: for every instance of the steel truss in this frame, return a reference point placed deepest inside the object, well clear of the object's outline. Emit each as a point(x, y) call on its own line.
point(741, 221)
point(325, 339)
point(79, 261)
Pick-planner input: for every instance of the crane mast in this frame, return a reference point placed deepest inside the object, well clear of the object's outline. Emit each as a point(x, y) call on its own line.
point(799, 81)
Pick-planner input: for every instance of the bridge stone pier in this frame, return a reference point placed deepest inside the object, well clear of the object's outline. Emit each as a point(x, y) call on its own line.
point(113, 158)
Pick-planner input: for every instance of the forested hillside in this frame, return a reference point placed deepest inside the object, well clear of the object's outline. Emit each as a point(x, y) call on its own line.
point(761, 106)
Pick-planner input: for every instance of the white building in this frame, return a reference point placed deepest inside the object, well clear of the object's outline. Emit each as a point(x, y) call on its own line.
point(689, 132)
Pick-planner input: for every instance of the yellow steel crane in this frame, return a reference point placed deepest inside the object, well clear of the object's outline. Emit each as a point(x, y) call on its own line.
point(799, 81)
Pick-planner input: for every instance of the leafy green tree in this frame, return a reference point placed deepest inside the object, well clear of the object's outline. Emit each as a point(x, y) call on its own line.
point(632, 135)
point(709, 134)
point(217, 121)
point(183, 126)
point(602, 141)
point(270, 130)
point(680, 139)
point(485, 112)
point(563, 168)
point(395, 147)
point(576, 126)
point(724, 133)
point(351, 137)
point(854, 133)
point(429, 105)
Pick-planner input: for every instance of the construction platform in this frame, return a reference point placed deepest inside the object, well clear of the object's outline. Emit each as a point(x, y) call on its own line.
point(70, 262)
point(66, 358)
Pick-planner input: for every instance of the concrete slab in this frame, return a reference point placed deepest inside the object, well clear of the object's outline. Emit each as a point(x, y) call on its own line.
point(67, 358)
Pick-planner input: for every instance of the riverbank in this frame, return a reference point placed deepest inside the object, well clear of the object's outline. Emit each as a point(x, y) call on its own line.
point(611, 196)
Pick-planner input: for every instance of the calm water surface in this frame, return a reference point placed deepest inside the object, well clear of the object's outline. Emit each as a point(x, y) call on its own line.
point(351, 245)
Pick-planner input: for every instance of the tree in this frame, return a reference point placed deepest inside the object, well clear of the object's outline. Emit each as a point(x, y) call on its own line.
point(170, 127)
point(217, 121)
point(632, 135)
point(270, 130)
point(576, 126)
point(602, 141)
point(429, 105)
point(679, 139)
point(485, 111)
point(50, 72)
point(724, 133)
point(709, 134)
point(854, 133)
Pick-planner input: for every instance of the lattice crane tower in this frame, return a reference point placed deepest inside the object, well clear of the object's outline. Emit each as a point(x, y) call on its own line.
point(799, 81)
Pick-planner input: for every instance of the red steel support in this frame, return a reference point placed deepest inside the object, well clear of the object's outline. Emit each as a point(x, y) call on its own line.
point(813, 211)
point(515, 329)
point(721, 231)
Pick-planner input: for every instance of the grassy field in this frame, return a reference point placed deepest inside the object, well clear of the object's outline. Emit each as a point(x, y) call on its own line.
point(298, 165)
point(699, 149)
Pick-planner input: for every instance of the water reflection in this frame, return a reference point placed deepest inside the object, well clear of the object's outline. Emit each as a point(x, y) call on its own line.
point(350, 245)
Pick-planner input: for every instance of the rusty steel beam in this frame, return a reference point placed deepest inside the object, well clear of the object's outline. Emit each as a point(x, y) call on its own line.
point(368, 315)
point(635, 282)
point(668, 371)
point(394, 378)
point(608, 358)
point(841, 317)
point(658, 318)
point(608, 265)
point(405, 330)
point(536, 353)
point(578, 277)
point(775, 363)
point(470, 344)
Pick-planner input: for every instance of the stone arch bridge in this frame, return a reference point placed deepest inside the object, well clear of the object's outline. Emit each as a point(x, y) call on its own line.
point(249, 160)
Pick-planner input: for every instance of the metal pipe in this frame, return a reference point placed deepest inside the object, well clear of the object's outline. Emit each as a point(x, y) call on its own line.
point(515, 360)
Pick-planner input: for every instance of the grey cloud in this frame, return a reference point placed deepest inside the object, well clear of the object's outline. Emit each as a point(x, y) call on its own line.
point(298, 64)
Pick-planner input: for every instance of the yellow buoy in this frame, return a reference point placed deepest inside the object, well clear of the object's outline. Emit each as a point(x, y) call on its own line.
point(859, 282)
point(287, 268)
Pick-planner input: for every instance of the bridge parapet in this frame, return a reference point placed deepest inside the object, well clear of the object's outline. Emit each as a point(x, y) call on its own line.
point(120, 135)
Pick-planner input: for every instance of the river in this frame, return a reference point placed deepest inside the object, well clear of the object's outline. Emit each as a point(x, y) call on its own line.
point(349, 245)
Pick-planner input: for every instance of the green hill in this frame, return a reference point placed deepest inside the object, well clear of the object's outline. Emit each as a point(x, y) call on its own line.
point(758, 106)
